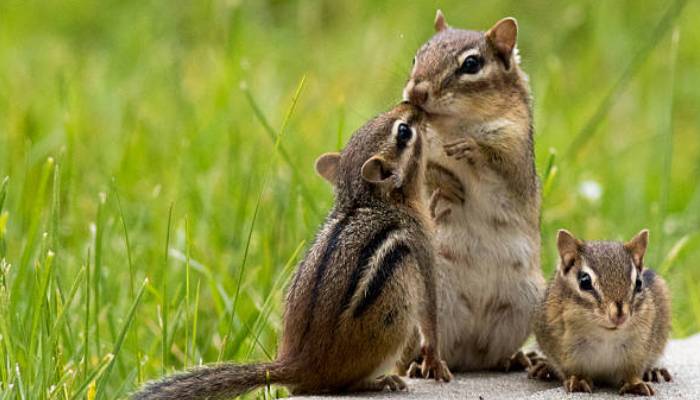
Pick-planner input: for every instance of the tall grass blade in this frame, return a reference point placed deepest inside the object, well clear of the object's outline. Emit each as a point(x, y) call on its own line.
point(164, 304)
point(187, 289)
point(654, 38)
point(241, 272)
point(195, 320)
point(94, 375)
point(35, 220)
point(97, 270)
point(39, 301)
point(305, 192)
point(3, 191)
point(61, 315)
point(681, 246)
point(276, 288)
point(550, 173)
point(127, 243)
point(667, 148)
point(86, 328)
point(120, 340)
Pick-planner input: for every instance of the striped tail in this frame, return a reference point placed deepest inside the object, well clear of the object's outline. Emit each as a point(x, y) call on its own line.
point(216, 382)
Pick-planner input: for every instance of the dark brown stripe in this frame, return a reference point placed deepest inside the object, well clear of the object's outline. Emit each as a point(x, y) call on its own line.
point(331, 245)
point(387, 268)
point(366, 254)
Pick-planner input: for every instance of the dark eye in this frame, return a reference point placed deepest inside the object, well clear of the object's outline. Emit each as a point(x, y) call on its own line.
point(584, 281)
point(471, 65)
point(414, 61)
point(638, 285)
point(404, 133)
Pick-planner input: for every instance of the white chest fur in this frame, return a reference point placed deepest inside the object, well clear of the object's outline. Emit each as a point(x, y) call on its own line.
point(601, 355)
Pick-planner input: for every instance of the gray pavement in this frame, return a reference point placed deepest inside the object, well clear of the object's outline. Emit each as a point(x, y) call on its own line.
point(682, 359)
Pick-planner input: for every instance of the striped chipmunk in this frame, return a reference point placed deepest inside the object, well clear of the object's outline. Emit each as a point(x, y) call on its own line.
point(366, 280)
point(484, 193)
point(605, 317)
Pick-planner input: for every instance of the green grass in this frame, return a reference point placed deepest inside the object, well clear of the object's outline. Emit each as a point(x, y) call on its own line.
point(160, 156)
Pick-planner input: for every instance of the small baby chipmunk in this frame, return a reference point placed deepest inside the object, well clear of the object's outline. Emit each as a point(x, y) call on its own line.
point(366, 280)
point(605, 317)
point(484, 192)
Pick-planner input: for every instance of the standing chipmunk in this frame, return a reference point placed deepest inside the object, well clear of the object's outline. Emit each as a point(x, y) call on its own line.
point(364, 283)
point(485, 192)
point(605, 317)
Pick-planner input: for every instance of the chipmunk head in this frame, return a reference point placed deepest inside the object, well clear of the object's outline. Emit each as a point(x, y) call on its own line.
point(384, 157)
point(458, 70)
point(606, 280)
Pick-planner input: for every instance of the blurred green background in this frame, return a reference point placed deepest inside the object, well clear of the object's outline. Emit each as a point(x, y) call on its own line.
point(139, 142)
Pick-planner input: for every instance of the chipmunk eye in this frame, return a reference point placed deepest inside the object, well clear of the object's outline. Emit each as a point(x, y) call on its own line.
point(584, 281)
point(403, 133)
point(470, 65)
point(638, 285)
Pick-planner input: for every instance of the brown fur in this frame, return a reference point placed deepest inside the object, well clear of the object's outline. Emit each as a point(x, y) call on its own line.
point(364, 283)
point(579, 330)
point(485, 191)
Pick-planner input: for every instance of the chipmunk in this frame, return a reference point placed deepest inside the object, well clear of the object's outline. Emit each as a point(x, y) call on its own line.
point(484, 192)
point(364, 283)
point(605, 317)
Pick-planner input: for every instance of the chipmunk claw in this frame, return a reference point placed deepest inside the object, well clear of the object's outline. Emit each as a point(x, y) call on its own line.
point(637, 388)
point(520, 361)
point(575, 384)
point(394, 383)
point(542, 371)
point(414, 370)
point(436, 369)
point(464, 148)
point(656, 375)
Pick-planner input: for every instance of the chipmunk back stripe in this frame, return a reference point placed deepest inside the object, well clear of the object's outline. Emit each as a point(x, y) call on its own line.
point(329, 224)
point(374, 244)
point(330, 247)
point(388, 266)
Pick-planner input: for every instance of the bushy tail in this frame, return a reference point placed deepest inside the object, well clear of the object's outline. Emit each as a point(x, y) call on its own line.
point(223, 381)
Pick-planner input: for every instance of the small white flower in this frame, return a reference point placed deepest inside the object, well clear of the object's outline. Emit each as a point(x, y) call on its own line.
point(156, 191)
point(590, 190)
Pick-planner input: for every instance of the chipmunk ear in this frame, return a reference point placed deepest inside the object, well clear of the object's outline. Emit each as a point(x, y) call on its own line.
point(503, 36)
point(568, 247)
point(440, 22)
point(637, 247)
point(379, 172)
point(327, 166)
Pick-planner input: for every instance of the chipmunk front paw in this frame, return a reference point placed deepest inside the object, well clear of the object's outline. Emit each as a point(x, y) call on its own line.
point(436, 369)
point(464, 148)
point(542, 370)
point(638, 388)
point(656, 375)
point(520, 361)
point(574, 384)
point(432, 367)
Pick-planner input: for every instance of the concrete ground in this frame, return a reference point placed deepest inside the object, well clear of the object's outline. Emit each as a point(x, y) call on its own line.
point(682, 359)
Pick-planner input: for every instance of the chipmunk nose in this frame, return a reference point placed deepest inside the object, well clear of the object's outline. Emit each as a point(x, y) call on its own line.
point(416, 92)
point(618, 312)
